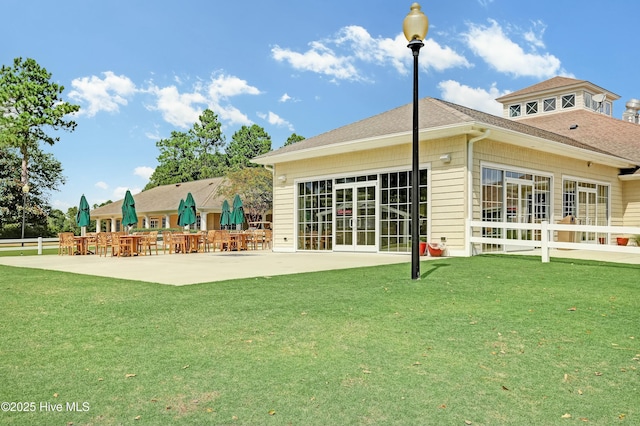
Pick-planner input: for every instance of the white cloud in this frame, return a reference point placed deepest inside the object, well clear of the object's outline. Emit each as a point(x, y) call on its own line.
point(274, 119)
point(501, 53)
point(106, 94)
point(179, 109)
point(101, 185)
point(183, 109)
point(319, 59)
point(476, 98)
point(222, 87)
point(441, 58)
point(285, 98)
point(339, 57)
point(144, 172)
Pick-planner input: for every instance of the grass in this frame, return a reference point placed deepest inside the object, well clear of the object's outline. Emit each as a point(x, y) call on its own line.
point(483, 340)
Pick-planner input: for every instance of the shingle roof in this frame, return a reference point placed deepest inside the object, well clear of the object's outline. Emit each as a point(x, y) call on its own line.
point(432, 113)
point(552, 83)
point(599, 131)
point(166, 198)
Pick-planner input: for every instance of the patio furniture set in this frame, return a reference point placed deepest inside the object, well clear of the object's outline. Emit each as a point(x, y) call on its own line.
point(121, 244)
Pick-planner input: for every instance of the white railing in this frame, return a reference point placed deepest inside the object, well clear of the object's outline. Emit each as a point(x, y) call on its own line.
point(26, 243)
point(546, 231)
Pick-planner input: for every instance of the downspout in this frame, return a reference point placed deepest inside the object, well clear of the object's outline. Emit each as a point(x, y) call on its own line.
point(485, 133)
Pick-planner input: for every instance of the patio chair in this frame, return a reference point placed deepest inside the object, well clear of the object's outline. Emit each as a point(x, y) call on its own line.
point(267, 237)
point(150, 240)
point(211, 235)
point(116, 247)
point(66, 244)
point(103, 242)
point(223, 239)
point(202, 241)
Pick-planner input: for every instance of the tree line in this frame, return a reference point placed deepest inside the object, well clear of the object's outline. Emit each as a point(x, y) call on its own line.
point(31, 107)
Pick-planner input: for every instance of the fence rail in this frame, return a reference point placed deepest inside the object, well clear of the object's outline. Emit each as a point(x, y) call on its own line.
point(26, 243)
point(546, 232)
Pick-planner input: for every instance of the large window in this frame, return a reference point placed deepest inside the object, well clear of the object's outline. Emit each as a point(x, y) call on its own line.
point(513, 196)
point(395, 210)
point(588, 203)
point(315, 207)
point(515, 111)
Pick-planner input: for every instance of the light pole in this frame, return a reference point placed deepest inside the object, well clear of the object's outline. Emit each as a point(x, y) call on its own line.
point(25, 192)
point(415, 27)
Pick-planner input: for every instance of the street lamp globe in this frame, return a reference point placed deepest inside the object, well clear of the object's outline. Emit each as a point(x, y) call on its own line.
point(416, 24)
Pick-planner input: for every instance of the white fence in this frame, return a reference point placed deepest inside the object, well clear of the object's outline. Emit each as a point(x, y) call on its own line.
point(27, 243)
point(546, 233)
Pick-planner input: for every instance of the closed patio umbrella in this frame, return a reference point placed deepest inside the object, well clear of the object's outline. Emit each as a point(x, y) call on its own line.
point(83, 217)
point(181, 212)
point(189, 215)
point(129, 216)
point(225, 216)
point(237, 215)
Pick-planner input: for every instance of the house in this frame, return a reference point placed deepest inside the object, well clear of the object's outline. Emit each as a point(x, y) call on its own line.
point(158, 207)
point(556, 152)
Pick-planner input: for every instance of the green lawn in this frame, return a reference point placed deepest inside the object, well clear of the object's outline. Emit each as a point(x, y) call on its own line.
point(485, 340)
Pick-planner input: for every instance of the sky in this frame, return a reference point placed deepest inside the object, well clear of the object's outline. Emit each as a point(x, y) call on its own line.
point(142, 69)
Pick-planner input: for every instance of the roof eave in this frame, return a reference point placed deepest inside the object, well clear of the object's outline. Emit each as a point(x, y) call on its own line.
point(365, 144)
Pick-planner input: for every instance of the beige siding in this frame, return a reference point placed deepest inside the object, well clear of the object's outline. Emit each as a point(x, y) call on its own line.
point(631, 203)
point(558, 166)
point(447, 184)
point(448, 205)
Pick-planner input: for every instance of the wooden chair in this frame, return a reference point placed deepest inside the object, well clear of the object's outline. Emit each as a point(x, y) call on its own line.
point(174, 243)
point(223, 239)
point(116, 247)
point(211, 238)
point(266, 238)
point(202, 241)
point(166, 242)
point(150, 240)
point(66, 244)
point(103, 242)
point(91, 241)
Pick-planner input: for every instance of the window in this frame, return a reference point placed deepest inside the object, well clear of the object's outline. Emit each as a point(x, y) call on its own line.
point(588, 101)
point(315, 215)
point(588, 203)
point(568, 101)
point(549, 105)
point(395, 210)
point(513, 196)
point(153, 222)
point(532, 107)
point(514, 111)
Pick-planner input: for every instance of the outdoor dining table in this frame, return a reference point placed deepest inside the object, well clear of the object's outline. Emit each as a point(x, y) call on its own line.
point(81, 243)
point(192, 241)
point(238, 240)
point(130, 244)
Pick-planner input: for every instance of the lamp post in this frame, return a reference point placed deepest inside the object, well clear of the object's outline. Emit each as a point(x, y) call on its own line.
point(25, 191)
point(415, 27)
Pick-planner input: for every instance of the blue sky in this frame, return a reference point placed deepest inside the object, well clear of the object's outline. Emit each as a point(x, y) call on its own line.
point(141, 69)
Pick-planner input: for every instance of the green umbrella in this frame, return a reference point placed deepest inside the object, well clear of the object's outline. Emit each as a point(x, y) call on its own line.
point(189, 212)
point(181, 213)
point(129, 216)
point(225, 216)
point(83, 216)
point(237, 215)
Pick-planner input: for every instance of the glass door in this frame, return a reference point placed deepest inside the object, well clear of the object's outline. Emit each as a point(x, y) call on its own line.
point(519, 204)
point(587, 212)
point(356, 217)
